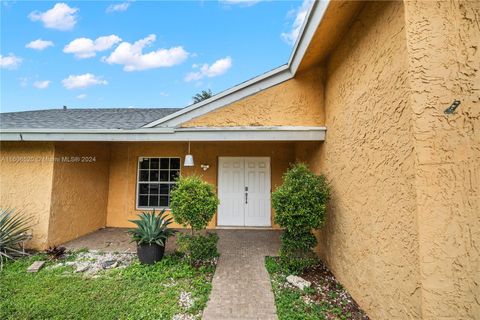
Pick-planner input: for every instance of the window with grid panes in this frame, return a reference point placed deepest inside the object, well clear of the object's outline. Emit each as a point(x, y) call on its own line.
point(156, 178)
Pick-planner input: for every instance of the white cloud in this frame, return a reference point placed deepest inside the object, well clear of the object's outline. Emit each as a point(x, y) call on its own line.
point(41, 84)
point(218, 68)
point(82, 81)
point(118, 7)
point(132, 58)
point(60, 17)
point(81, 96)
point(87, 48)
point(10, 62)
point(39, 44)
point(300, 15)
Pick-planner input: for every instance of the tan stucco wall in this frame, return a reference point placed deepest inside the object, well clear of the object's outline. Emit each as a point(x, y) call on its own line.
point(370, 240)
point(296, 102)
point(26, 171)
point(65, 199)
point(80, 190)
point(124, 162)
point(444, 63)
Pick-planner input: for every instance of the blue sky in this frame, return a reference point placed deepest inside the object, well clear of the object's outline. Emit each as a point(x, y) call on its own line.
point(137, 53)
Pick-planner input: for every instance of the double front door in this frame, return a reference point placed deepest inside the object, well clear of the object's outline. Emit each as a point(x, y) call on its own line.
point(244, 191)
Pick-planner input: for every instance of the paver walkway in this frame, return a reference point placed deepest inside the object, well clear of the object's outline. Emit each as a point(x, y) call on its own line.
point(241, 284)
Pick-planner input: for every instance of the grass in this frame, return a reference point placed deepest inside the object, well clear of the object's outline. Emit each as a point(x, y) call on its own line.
point(136, 292)
point(293, 303)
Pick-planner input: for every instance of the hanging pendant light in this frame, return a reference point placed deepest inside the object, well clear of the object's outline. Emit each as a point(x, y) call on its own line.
point(188, 158)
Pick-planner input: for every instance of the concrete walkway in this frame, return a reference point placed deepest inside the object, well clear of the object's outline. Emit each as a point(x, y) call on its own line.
point(241, 284)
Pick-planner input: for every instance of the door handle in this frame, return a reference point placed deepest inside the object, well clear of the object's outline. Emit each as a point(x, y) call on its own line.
point(246, 195)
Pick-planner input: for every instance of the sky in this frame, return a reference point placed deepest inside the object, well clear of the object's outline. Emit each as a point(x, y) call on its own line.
point(104, 54)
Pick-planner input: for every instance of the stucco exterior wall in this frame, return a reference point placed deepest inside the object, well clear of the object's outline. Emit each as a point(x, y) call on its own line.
point(296, 102)
point(370, 240)
point(444, 64)
point(124, 162)
point(79, 190)
point(26, 171)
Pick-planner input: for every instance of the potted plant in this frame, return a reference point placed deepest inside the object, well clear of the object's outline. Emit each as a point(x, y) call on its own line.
point(151, 235)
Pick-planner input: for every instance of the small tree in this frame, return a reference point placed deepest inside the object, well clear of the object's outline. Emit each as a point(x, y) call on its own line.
point(193, 202)
point(300, 206)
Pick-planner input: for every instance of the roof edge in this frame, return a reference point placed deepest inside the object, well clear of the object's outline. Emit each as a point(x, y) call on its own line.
point(247, 133)
point(257, 84)
point(228, 96)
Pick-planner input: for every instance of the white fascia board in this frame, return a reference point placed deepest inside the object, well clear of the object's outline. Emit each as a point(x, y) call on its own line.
point(101, 131)
point(310, 25)
point(224, 98)
point(252, 128)
point(257, 84)
point(184, 134)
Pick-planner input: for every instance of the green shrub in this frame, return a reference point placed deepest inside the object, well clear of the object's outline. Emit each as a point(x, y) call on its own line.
point(193, 202)
point(300, 207)
point(198, 248)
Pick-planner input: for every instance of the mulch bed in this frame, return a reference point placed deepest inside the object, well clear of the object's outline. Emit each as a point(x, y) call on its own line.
point(329, 291)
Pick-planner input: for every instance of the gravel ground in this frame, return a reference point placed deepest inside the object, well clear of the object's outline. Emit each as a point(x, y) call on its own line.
point(91, 263)
point(329, 290)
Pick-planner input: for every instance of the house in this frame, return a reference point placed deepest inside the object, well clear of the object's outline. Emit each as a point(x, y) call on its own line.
point(367, 98)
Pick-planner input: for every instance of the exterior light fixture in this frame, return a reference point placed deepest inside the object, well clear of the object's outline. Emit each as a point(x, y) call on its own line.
point(188, 158)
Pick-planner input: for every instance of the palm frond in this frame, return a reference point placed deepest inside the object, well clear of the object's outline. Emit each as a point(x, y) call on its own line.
point(205, 94)
point(13, 233)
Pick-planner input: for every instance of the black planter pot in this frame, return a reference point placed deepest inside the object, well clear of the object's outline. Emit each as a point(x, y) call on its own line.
point(150, 253)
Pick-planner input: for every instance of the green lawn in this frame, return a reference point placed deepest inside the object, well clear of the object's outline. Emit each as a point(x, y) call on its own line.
point(136, 292)
point(325, 299)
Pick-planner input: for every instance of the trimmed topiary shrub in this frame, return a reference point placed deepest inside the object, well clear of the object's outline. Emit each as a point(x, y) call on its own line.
point(300, 206)
point(193, 203)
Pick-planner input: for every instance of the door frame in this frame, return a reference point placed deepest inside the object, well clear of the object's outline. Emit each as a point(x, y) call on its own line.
point(270, 191)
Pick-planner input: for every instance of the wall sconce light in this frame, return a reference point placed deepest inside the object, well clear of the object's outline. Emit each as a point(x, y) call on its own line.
point(205, 167)
point(188, 158)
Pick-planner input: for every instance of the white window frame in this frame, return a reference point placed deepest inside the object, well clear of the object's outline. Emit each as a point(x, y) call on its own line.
point(137, 187)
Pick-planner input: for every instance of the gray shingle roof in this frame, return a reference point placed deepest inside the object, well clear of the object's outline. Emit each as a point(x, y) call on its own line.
point(115, 118)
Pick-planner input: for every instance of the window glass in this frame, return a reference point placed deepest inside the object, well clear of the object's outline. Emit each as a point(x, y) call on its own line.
point(143, 175)
point(156, 179)
point(174, 163)
point(165, 163)
point(154, 163)
point(145, 163)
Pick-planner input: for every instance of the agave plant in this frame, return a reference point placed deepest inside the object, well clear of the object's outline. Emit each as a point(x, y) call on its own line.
point(13, 232)
point(151, 228)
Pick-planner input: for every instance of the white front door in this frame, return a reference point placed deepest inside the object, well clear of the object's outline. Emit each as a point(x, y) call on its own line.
point(244, 191)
